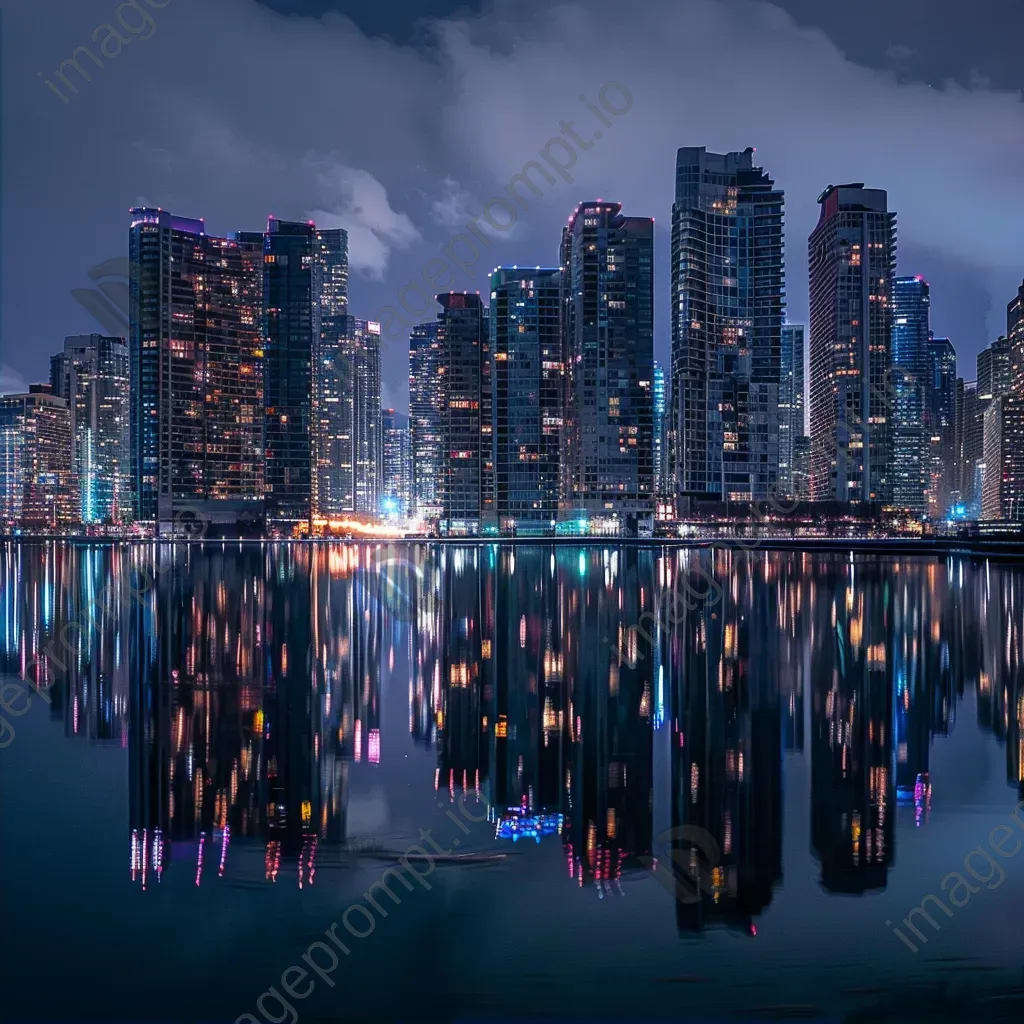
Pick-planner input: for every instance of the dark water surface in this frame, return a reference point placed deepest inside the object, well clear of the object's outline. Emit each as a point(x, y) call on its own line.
point(739, 767)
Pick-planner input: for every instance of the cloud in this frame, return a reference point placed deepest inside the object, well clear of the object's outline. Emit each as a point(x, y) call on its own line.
point(11, 382)
point(353, 199)
point(899, 53)
point(395, 142)
point(455, 207)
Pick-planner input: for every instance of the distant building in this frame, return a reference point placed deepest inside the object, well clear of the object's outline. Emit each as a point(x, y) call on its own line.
point(852, 261)
point(467, 456)
point(727, 317)
point(911, 370)
point(941, 426)
point(426, 427)
point(995, 369)
point(802, 468)
point(525, 317)
point(791, 405)
point(92, 375)
point(660, 430)
point(608, 337)
point(972, 449)
point(1015, 335)
point(1003, 486)
point(196, 357)
point(38, 490)
point(396, 496)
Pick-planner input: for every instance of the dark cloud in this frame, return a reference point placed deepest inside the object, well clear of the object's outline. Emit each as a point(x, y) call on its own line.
point(232, 110)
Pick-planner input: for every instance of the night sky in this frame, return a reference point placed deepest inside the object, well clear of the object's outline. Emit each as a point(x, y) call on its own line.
point(399, 120)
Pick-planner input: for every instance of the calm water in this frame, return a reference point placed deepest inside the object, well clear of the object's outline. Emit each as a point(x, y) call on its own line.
point(729, 801)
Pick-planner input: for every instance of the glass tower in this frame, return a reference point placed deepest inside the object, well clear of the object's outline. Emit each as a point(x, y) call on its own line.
point(290, 317)
point(526, 350)
point(397, 471)
point(727, 316)
point(995, 369)
point(941, 426)
point(91, 374)
point(851, 263)
point(1015, 335)
point(195, 360)
point(426, 389)
point(467, 456)
point(911, 367)
point(608, 339)
point(791, 405)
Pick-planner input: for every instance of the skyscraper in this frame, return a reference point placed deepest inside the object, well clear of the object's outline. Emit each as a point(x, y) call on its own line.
point(467, 457)
point(791, 405)
point(940, 426)
point(396, 496)
point(972, 458)
point(291, 327)
point(1003, 484)
point(727, 314)
point(525, 316)
point(347, 435)
point(195, 354)
point(910, 377)
point(608, 339)
point(852, 260)
point(995, 369)
point(426, 429)
point(1015, 335)
point(37, 485)
point(332, 400)
point(91, 374)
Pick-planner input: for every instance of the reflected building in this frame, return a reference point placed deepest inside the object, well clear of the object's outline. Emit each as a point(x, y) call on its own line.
point(852, 736)
point(727, 744)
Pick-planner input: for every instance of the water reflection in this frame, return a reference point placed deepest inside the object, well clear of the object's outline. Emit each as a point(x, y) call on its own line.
point(248, 681)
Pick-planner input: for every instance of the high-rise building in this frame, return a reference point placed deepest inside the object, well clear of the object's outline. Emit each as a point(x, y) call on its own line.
point(367, 442)
point(791, 405)
point(332, 480)
point(195, 359)
point(347, 442)
point(525, 318)
point(291, 326)
point(1015, 335)
point(972, 450)
point(940, 426)
point(396, 495)
point(1003, 485)
point(92, 375)
point(608, 353)
point(995, 369)
point(727, 316)
point(852, 261)
point(661, 482)
point(37, 485)
point(426, 427)
point(911, 297)
point(467, 441)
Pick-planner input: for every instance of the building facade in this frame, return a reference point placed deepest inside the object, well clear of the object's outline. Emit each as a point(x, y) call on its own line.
point(290, 329)
point(727, 316)
point(467, 456)
point(852, 260)
point(1003, 484)
point(38, 490)
point(426, 428)
point(525, 317)
point(941, 427)
point(1015, 335)
point(791, 405)
point(92, 375)
point(608, 353)
point(910, 376)
point(396, 495)
point(195, 362)
point(995, 369)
